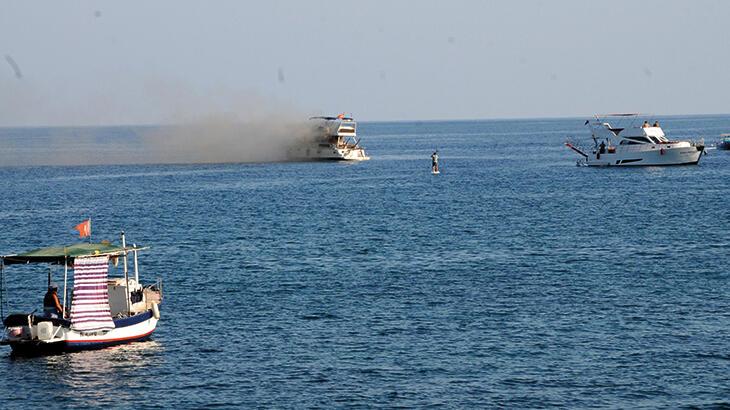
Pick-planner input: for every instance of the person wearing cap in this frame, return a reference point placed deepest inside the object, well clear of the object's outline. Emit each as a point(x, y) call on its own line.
point(51, 305)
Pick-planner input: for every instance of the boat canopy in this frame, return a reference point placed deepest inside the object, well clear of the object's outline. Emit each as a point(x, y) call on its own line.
point(59, 254)
point(332, 118)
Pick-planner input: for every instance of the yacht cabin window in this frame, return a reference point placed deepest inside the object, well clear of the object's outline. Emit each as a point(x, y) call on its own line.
point(640, 140)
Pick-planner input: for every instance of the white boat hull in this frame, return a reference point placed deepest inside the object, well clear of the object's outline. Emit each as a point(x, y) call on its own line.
point(654, 156)
point(30, 342)
point(327, 152)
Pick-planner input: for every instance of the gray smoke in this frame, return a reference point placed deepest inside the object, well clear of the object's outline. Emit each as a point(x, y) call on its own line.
point(217, 127)
point(223, 127)
point(226, 138)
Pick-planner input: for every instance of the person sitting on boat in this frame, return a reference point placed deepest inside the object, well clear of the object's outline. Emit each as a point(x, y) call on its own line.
point(656, 124)
point(645, 124)
point(435, 161)
point(51, 305)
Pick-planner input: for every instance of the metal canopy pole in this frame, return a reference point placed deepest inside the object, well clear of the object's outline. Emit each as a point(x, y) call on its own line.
point(65, 283)
point(126, 273)
point(136, 270)
point(2, 288)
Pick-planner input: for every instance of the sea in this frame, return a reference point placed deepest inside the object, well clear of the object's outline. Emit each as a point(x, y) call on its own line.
point(514, 279)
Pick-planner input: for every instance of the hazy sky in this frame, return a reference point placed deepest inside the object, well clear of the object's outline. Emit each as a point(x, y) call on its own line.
point(122, 62)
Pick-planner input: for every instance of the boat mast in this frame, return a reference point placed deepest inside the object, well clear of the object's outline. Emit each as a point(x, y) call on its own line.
point(126, 273)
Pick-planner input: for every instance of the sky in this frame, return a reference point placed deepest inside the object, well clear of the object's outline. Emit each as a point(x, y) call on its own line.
point(150, 62)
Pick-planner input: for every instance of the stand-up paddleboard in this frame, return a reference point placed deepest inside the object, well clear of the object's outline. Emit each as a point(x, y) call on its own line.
point(435, 163)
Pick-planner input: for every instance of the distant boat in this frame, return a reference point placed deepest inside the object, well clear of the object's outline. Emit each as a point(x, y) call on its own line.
point(627, 142)
point(335, 138)
point(724, 143)
point(101, 312)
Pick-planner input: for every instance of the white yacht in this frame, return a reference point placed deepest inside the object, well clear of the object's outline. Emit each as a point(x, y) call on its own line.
point(333, 138)
point(629, 142)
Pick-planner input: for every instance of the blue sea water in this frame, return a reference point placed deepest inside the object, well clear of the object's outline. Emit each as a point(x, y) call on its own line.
point(513, 279)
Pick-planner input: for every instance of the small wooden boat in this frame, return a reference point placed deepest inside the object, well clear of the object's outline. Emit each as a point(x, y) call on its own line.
point(100, 312)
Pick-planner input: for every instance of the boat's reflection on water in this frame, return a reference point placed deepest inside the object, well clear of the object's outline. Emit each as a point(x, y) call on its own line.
point(111, 375)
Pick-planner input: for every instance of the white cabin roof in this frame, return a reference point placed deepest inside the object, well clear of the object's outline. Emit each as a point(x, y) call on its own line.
point(603, 130)
point(642, 132)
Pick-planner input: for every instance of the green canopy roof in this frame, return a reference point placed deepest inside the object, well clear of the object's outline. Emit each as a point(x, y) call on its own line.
point(57, 254)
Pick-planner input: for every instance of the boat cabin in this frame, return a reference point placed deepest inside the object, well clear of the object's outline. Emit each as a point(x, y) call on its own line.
point(338, 131)
point(347, 128)
point(643, 135)
point(631, 134)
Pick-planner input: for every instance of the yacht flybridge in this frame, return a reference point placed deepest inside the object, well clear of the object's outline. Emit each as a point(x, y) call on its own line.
point(333, 138)
point(626, 141)
point(98, 311)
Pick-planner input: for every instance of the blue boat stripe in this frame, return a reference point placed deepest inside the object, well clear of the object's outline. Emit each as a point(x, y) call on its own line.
point(132, 320)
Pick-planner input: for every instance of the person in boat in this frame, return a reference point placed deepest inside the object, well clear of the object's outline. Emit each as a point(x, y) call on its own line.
point(435, 162)
point(645, 124)
point(656, 124)
point(51, 305)
point(601, 150)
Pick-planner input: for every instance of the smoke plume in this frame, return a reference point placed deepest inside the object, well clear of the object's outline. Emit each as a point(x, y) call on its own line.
point(225, 138)
point(217, 127)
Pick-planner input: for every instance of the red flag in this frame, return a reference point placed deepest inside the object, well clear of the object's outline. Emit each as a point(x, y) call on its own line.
point(84, 228)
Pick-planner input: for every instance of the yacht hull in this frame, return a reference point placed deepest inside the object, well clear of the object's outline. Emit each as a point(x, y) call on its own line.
point(654, 157)
point(327, 153)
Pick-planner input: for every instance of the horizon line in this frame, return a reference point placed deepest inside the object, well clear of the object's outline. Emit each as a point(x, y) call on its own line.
point(463, 119)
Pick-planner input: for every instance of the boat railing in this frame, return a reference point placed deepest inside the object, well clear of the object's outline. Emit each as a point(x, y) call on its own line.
point(158, 286)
